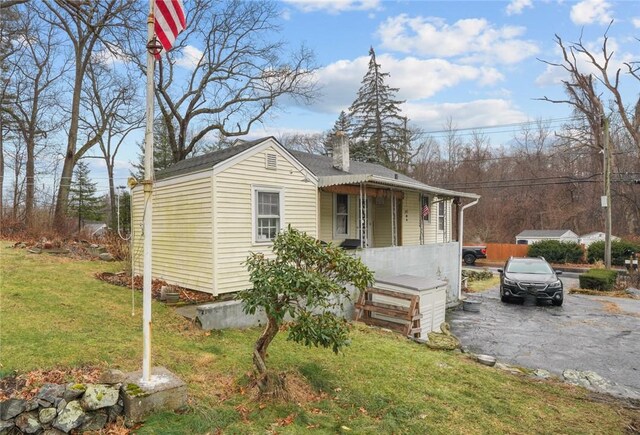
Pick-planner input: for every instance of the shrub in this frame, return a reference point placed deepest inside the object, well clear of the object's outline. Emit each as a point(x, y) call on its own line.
point(620, 250)
point(598, 279)
point(474, 275)
point(555, 251)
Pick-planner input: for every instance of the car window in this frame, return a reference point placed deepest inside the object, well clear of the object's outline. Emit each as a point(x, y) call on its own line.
point(538, 267)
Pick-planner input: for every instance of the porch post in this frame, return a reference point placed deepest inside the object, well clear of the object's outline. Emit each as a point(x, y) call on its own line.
point(364, 242)
point(394, 221)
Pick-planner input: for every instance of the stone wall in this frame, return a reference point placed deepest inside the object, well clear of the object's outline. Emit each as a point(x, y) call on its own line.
point(58, 409)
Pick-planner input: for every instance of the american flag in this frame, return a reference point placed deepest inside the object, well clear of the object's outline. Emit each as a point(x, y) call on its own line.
point(169, 21)
point(425, 211)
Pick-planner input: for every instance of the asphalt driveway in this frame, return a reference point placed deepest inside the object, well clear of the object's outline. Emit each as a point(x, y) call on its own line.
point(596, 333)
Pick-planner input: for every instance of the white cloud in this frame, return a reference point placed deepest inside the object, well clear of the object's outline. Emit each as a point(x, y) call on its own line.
point(286, 14)
point(591, 11)
point(515, 7)
point(334, 6)
point(190, 57)
point(464, 115)
point(636, 22)
point(415, 78)
point(472, 39)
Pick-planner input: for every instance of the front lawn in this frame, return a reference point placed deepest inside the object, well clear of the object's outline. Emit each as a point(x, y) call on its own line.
point(55, 314)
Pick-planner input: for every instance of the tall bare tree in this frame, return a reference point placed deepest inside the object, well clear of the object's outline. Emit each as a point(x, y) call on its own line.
point(236, 72)
point(34, 81)
point(110, 98)
point(89, 27)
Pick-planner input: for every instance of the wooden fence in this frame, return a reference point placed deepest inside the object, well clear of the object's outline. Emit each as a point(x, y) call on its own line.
point(502, 251)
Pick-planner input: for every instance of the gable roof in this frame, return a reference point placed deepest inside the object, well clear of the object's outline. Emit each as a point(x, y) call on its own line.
point(320, 166)
point(545, 233)
point(205, 161)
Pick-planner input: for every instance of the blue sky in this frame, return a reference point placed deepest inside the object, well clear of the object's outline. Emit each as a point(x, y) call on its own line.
point(474, 62)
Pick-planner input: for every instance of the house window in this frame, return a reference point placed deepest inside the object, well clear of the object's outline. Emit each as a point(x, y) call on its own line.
point(268, 214)
point(425, 211)
point(341, 215)
point(441, 215)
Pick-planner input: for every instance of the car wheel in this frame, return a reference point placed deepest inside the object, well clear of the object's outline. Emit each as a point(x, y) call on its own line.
point(557, 303)
point(469, 259)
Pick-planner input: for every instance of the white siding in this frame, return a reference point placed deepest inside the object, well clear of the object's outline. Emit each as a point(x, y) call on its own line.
point(182, 231)
point(233, 212)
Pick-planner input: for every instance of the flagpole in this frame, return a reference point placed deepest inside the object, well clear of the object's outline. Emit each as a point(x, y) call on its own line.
point(148, 205)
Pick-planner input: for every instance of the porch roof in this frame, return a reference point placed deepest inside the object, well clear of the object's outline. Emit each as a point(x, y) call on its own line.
point(361, 172)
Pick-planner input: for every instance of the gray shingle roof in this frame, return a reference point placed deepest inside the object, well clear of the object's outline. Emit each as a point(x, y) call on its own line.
point(542, 233)
point(322, 166)
point(205, 161)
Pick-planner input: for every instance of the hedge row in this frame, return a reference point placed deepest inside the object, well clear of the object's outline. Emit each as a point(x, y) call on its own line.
point(598, 279)
point(557, 252)
point(620, 251)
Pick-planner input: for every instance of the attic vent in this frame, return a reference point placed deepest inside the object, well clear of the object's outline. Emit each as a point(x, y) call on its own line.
point(271, 161)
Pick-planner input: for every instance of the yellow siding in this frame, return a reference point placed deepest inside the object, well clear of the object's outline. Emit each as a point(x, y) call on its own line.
point(234, 208)
point(327, 204)
point(182, 232)
point(381, 222)
point(411, 219)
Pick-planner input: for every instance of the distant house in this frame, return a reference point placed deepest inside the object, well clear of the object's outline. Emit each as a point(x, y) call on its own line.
point(527, 237)
point(211, 211)
point(596, 236)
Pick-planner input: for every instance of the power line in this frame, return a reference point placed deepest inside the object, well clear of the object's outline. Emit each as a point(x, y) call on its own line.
point(513, 124)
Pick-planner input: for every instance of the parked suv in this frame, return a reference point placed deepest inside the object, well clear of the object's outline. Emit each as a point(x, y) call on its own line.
point(530, 276)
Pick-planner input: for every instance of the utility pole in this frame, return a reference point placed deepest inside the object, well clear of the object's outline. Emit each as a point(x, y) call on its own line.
point(607, 193)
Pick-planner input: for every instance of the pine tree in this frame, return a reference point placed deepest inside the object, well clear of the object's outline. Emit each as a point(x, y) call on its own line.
point(162, 154)
point(83, 201)
point(343, 124)
point(375, 115)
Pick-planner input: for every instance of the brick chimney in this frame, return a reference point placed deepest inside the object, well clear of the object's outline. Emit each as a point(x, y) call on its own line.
point(341, 152)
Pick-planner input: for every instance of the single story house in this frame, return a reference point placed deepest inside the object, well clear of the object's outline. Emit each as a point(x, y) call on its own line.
point(528, 237)
point(211, 211)
point(596, 236)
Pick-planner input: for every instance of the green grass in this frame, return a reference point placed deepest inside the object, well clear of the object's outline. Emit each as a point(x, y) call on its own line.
point(54, 313)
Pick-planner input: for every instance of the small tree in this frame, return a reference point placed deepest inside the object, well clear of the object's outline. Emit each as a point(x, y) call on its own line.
point(83, 201)
point(307, 281)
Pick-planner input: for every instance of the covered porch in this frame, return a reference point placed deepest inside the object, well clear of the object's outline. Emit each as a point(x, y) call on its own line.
point(364, 211)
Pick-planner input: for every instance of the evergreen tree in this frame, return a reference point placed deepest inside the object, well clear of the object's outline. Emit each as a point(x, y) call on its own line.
point(343, 124)
point(83, 201)
point(375, 115)
point(162, 154)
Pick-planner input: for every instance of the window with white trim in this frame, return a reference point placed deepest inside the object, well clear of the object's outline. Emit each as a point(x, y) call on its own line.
point(268, 214)
point(441, 215)
point(341, 217)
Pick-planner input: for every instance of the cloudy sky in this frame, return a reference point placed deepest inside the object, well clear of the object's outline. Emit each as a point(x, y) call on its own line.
point(474, 62)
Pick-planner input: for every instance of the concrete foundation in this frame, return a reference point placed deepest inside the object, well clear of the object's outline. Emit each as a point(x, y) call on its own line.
point(227, 315)
point(164, 392)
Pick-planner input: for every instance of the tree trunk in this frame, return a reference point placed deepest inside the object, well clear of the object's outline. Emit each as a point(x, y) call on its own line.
point(62, 199)
point(112, 197)
point(30, 180)
point(269, 384)
point(1, 172)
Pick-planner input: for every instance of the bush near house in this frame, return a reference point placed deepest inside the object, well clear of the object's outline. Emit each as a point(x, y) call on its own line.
point(620, 250)
point(555, 251)
point(598, 279)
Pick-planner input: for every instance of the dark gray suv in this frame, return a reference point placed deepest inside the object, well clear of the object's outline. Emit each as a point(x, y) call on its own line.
point(530, 276)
